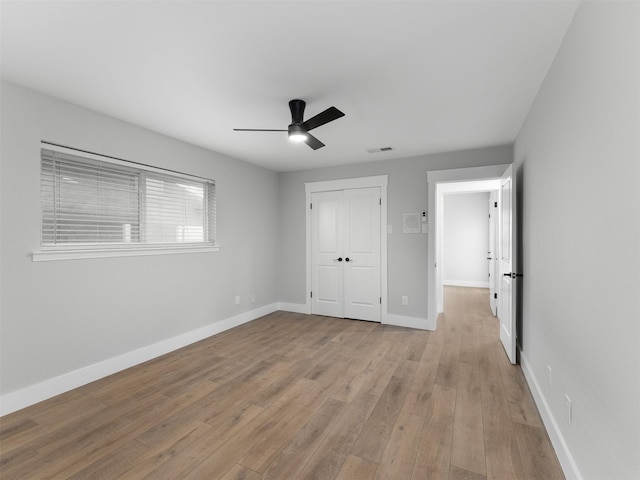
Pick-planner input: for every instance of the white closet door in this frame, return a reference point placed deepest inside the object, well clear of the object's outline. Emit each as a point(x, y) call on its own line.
point(362, 254)
point(327, 281)
point(345, 253)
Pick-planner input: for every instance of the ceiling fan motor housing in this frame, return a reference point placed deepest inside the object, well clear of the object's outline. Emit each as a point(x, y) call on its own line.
point(297, 111)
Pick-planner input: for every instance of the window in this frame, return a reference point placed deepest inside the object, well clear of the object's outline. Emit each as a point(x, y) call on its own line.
point(94, 203)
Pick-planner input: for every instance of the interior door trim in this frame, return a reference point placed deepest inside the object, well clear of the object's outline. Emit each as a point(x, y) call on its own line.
point(380, 181)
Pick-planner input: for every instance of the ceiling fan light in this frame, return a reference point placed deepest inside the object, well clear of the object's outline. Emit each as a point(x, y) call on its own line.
point(297, 133)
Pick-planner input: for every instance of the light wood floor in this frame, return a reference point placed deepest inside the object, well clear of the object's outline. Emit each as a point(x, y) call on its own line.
point(292, 396)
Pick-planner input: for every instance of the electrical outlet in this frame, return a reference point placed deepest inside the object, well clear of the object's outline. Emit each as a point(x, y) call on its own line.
point(405, 300)
point(567, 409)
point(253, 298)
point(549, 378)
point(237, 299)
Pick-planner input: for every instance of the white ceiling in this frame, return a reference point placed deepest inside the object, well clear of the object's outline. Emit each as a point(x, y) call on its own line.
point(420, 76)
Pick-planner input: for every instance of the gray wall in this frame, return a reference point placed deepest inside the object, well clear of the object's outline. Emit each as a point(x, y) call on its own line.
point(466, 239)
point(63, 315)
point(407, 193)
point(578, 167)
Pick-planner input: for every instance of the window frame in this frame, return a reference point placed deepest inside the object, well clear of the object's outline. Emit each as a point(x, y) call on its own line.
point(49, 252)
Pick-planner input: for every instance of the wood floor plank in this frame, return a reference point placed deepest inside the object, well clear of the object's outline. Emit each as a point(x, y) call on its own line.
point(298, 451)
point(416, 344)
point(521, 404)
point(19, 425)
point(114, 464)
point(79, 444)
point(468, 350)
point(501, 449)
point(538, 458)
point(375, 434)
point(421, 388)
point(447, 373)
point(468, 451)
point(213, 441)
point(400, 453)
point(103, 441)
point(488, 361)
point(357, 468)
point(433, 457)
point(16, 457)
point(285, 381)
point(460, 474)
point(333, 451)
point(156, 456)
point(238, 472)
point(276, 434)
point(173, 425)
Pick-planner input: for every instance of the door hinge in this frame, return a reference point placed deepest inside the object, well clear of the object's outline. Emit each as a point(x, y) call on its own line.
point(311, 206)
point(311, 294)
point(380, 201)
point(495, 295)
point(380, 300)
point(495, 204)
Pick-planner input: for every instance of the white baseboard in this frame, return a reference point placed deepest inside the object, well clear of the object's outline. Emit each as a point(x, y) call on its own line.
point(410, 322)
point(569, 466)
point(293, 307)
point(388, 319)
point(466, 283)
point(49, 388)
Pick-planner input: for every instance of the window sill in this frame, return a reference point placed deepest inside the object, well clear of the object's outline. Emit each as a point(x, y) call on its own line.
point(73, 254)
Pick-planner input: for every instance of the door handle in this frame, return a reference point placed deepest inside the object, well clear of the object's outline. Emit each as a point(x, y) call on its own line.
point(339, 259)
point(347, 259)
point(512, 275)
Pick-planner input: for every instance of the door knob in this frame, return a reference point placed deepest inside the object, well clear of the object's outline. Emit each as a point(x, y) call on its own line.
point(347, 259)
point(339, 259)
point(512, 275)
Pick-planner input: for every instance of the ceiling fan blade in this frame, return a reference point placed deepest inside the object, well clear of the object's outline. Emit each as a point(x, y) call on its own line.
point(256, 130)
point(329, 115)
point(313, 142)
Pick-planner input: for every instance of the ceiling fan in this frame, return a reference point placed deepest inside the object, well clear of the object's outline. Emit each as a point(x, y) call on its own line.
point(298, 130)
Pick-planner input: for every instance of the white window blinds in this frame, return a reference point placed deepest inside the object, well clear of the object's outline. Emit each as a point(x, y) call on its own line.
point(87, 201)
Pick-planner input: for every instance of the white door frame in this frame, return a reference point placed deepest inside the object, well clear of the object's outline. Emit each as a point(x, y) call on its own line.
point(434, 179)
point(380, 181)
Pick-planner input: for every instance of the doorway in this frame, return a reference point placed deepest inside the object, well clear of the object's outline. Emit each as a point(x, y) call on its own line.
point(507, 255)
point(437, 181)
point(465, 247)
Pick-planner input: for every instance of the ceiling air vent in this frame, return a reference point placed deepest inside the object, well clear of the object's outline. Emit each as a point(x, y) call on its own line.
point(376, 150)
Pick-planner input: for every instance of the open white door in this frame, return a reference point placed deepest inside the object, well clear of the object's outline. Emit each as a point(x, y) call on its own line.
point(507, 255)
